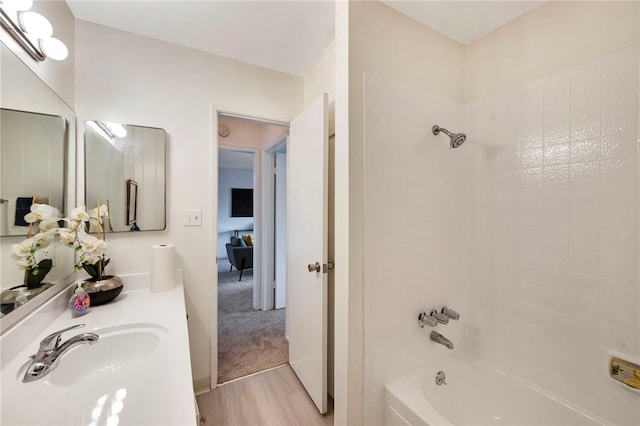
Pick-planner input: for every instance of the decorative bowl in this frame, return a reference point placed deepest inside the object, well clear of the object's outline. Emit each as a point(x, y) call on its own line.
point(103, 291)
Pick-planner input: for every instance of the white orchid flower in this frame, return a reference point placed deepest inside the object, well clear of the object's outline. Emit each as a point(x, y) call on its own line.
point(40, 212)
point(67, 237)
point(42, 239)
point(104, 212)
point(22, 250)
point(92, 245)
point(48, 224)
point(91, 259)
point(22, 253)
point(79, 214)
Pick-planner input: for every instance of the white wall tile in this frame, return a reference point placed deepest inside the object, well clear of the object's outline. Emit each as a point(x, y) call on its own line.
point(618, 170)
point(585, 195)
point(584, 150)
point(615, 195)
point(587, 218)
point(555, 217)
point(555, 259)
point(584, 263)
point(584, 240)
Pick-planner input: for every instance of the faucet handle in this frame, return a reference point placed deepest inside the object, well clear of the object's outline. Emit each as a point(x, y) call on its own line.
point(53, 340)
point(450, 313)
point(424, 319)
point(441, 318)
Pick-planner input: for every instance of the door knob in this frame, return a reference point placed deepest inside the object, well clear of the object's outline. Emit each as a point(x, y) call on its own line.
point(314, 267)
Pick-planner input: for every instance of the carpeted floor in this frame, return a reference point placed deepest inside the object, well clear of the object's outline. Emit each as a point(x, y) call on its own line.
point(248, 341)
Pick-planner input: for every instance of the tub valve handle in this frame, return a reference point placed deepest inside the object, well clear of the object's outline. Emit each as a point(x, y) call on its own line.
point(424, 319)
point(450, 313)
point(441, 318)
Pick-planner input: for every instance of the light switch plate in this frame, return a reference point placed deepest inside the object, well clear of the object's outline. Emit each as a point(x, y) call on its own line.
point(192, 217)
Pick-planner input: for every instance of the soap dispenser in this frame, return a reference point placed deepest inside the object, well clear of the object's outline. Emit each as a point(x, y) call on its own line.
point(79, 302)
point(21, 299)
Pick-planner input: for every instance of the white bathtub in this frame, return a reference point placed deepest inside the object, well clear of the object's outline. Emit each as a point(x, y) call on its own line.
point(475, 394)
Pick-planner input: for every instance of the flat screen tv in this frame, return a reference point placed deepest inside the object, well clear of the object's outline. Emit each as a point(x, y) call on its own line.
point(241, 202)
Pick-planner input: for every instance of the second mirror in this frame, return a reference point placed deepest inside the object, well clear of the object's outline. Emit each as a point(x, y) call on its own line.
point(125, 169)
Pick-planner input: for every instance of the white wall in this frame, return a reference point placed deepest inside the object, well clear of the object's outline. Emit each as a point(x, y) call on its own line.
point(321, 79)
point(146, 82)
point(227, 179)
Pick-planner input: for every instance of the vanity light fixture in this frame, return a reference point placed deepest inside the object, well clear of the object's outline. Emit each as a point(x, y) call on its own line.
point(31, 30)
point(109, 130)
point(35, 24)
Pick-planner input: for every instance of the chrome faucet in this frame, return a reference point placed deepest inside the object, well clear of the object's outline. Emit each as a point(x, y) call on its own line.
point(50, 351)
point(439, 338)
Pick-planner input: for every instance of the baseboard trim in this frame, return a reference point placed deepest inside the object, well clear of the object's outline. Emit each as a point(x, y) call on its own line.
point(201, 386)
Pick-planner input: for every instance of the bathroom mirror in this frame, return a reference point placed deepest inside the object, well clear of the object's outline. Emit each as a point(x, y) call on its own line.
point(37, 131)
point(125, 170)
point(33, 152)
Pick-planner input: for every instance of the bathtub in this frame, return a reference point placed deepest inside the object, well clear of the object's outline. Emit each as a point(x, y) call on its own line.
point(475, 394)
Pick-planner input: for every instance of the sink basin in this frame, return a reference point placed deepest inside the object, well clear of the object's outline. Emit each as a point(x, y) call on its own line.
point(118, 350)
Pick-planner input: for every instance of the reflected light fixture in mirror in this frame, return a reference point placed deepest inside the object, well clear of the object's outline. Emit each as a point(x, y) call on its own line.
point(31, 30)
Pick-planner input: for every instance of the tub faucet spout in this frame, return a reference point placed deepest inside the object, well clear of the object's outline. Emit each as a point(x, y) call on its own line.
point(439, 338)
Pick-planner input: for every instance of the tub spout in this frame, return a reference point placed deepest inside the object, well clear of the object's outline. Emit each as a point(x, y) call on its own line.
point(439, 338)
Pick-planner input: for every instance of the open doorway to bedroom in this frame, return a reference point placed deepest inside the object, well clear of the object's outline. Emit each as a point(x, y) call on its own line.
point(251, 334)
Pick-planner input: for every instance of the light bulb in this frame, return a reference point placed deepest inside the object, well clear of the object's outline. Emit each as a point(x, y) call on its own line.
point(35, 24)
point(117, 129)
point(54, 49)
point(18, 5)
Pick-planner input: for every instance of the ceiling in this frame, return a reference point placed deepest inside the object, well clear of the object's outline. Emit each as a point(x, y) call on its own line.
point(463, 21)
point(290, 36)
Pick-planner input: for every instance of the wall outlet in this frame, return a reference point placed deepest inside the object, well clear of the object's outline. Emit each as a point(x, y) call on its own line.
point(192, 218)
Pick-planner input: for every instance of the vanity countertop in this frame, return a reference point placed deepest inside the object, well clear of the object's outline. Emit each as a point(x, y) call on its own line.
point(141, 375)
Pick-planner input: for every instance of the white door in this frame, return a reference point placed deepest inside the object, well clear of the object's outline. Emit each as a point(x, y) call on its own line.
point(281, 230)
point(307, 196)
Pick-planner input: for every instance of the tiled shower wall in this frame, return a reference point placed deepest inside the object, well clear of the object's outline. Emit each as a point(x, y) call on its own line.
point(412, 224)
point(553, 220)
point(530, 230)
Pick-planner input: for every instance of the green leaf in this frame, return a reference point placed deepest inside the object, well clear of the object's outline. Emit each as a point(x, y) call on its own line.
point(37, 274)
point(91, 270)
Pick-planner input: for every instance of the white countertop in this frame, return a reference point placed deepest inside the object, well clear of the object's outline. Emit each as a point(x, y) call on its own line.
point(138, 388)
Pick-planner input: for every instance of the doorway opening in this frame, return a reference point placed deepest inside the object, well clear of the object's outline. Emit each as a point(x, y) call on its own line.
point(251, 333)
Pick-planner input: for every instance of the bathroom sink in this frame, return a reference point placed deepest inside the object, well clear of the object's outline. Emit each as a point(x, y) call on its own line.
point(119, 350)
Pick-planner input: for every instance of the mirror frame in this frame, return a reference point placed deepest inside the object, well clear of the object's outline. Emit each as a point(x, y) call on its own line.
point(131, 182)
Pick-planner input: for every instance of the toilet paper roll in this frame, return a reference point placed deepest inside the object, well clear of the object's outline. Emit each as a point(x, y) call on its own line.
point(163, 266)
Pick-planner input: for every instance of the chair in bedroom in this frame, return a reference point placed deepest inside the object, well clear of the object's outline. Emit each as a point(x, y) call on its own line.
point(240, 255)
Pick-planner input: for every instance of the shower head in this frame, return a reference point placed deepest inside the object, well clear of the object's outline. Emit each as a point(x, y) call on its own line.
point(457, 139)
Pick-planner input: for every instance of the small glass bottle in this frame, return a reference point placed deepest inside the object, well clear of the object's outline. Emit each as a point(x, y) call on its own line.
point(79, 302)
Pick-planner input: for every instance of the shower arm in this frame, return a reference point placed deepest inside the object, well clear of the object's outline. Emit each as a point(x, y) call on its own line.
point(437, 129)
